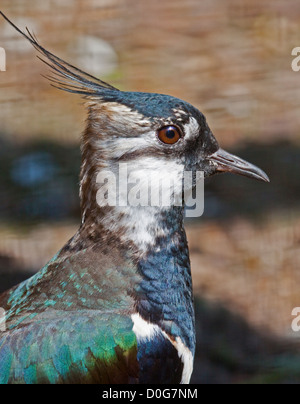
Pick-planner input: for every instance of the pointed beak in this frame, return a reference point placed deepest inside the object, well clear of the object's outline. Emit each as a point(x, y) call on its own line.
point(228, 163)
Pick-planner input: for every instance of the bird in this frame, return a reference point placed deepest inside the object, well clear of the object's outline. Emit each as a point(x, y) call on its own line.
point(115, 305)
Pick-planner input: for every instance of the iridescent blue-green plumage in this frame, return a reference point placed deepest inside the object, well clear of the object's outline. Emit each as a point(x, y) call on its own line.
point(63, 326)
point(70, 348)
point(71, 322)
point(115, 305)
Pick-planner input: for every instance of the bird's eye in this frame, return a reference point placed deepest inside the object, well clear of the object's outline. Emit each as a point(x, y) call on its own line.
point(169, 134)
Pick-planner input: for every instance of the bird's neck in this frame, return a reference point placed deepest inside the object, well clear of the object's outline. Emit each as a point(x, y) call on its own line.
point(140, 230)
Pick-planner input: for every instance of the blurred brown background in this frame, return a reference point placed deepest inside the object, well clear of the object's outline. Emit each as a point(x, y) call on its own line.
point(232, 59)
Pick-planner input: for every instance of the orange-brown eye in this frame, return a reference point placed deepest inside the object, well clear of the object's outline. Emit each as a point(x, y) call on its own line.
point(169, 134)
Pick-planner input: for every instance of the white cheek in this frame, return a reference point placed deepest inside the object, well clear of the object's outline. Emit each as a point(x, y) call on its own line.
point(160, 182)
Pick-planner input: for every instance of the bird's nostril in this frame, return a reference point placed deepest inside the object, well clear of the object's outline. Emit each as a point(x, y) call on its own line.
point(230, 160)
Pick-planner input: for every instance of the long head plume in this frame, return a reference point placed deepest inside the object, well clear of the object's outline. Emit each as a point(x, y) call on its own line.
point(64, 75)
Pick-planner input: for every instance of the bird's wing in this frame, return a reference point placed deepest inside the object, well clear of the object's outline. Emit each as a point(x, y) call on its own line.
point(74, 347)
point(71, 323)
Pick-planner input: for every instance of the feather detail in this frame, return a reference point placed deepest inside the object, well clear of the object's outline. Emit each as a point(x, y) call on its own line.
point(65, 76)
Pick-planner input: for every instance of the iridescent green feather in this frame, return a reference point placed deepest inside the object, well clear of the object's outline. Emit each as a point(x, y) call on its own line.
point(83, 347)
point(71, 323)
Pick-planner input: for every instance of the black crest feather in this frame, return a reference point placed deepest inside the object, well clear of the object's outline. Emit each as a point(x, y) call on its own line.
point(64, 75)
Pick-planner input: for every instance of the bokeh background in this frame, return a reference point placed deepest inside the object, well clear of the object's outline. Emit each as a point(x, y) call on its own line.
point(232, 59)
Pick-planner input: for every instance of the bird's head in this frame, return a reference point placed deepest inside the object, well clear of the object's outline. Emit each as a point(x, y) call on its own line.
point(158, 132)
point(149, 132)
point(159, 138)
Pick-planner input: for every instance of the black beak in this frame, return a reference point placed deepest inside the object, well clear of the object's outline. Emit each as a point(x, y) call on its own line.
point(228, 163)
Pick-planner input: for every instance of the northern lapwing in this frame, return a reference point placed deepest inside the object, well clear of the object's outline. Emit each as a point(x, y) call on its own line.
point(115, 304)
